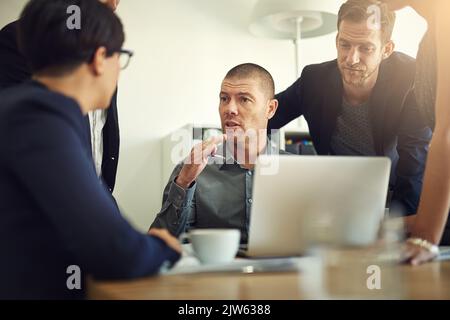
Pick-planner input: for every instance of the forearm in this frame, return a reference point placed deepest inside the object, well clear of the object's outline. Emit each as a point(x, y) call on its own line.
point(290, 106)
point(435, 201)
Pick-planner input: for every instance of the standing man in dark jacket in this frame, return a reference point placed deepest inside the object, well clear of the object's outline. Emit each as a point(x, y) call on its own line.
point(358, 105)
point(102, 125)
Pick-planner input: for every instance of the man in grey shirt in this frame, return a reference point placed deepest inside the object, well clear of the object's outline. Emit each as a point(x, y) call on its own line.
point(213, 187)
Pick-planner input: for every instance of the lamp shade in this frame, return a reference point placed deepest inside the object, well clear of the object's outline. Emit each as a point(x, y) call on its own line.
point(279, 18)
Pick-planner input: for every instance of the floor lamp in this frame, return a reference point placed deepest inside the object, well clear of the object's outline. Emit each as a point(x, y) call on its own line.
point(294, 20)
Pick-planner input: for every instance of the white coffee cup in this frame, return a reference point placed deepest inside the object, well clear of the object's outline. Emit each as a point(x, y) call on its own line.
point(215, 246)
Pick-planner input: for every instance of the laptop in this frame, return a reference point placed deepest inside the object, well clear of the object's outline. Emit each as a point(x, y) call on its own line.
point(301, 200)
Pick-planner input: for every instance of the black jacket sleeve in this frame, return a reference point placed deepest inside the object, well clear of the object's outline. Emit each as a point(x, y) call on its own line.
point(413, 140)
point(290, 104)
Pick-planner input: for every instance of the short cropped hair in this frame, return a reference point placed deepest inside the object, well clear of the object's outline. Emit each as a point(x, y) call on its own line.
point(357, 11)
point(251, 70)
point(52, 48)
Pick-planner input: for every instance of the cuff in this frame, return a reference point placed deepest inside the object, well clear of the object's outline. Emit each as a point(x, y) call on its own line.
point(180, 197)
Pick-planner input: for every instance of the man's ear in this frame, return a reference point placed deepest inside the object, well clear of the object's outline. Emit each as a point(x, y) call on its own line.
point(272, 108)
point(388, 49)
point(98, 62)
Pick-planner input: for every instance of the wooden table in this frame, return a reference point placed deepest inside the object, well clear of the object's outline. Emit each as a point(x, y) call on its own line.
point(323, 279)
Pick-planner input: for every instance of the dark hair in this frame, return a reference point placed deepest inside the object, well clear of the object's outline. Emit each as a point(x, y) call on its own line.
point(356, 11)
point(52, 48)
point(251, 70)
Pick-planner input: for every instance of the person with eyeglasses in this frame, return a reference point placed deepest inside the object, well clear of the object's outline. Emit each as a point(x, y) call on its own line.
point(58, 222)
point(103, 125)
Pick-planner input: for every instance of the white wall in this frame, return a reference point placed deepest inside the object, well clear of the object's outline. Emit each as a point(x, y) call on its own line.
point(10, 10)
point(183, 48)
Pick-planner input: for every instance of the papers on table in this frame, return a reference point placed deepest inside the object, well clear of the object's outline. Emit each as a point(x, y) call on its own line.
point(189, 264)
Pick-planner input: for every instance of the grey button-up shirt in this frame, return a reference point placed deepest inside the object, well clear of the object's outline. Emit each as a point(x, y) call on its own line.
point(221, 197)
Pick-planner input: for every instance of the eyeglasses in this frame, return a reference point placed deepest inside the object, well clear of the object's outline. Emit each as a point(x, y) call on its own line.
point(124, 58)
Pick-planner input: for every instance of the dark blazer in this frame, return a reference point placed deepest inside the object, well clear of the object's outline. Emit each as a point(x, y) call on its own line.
point(399, 131)
point(54, 211)
point(14, 70)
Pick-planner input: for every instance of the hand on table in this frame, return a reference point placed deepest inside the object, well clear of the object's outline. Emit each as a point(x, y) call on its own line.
point(416, 255)
point(165, 236)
